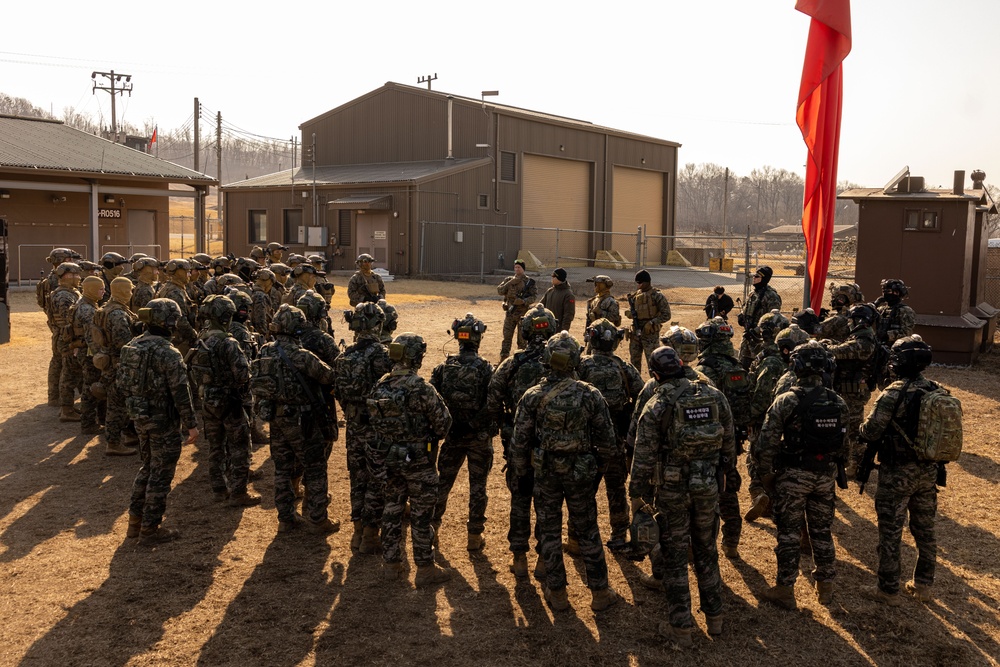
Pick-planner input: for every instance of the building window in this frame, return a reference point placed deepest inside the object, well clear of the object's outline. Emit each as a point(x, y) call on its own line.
point(484, 201)
point(922, 220)
point(344, 227)
point(292, 223)
point(508, 167)
point(258, 226)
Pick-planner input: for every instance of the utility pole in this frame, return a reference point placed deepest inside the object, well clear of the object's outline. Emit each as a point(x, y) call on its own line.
point(197, 116)
point(125, 87)
point(427, 79)
point(312, 157)
point(218, 168)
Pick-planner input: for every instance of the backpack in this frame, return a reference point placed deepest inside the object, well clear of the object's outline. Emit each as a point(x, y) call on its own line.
point(939, 427)
point(562, 423)
point(528, 372)
point(272, 380)
point(821, 428)
point(462, 387)
point(607, 375)
point(692, 423)
point(354, 371)
point(388, 410)
point(202, 363)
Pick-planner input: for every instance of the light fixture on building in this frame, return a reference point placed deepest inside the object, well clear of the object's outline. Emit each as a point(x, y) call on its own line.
point(305, 195)
point(109, 199)
point(58, 198)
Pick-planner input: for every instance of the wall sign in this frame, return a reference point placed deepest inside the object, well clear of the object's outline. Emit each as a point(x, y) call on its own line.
point(115, 213)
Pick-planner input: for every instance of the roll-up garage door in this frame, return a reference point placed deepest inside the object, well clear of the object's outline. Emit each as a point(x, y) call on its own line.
point(556, 194)
point(637, 200)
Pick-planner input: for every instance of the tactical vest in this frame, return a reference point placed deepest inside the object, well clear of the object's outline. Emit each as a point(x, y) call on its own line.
point(734, 382)
point(272, 379)
point(606, 373)
point(355, 374)
point(816, 430)
point(561, 420)
point(691, 424)
point(461, 387)
point(645, 309)
point(390, 414)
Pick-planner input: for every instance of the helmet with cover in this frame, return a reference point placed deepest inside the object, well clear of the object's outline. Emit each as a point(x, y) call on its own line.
point(790, 338)
point(811, 358)
point(287, 321)
point(665, 362)
point(391, 318)
point(364, 257)
point(68, 267)
point(313, 305)
point(539, 322)
point(175, 265)
point(683, 340)
point(366, 318)
point(604, 335)
point(111, 260)
point(161, 314)
point(242, 301)
point(408, 349)
point(772, 323)
point(468, 330)
point(909, 356)
point(257, 254)
point(247, 267)
point(220, 265)
point(219, 309)
point(59, 255)
point(562, 353)
point(713, 331)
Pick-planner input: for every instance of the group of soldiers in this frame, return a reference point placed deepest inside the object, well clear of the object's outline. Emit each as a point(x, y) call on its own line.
point(569, 415)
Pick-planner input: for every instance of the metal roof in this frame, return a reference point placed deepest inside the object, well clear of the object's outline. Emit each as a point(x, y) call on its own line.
point(358, 174)
point(924, 195)
point(797, 229)
point(371, 202)
point(38, 145)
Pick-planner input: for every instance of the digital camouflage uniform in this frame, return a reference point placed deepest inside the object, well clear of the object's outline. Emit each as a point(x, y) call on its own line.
point(463, 380)
point(116, 322)
point(652, 311)
point(410, 417)
point(762, 300)
point(365, 287)
point(674, 469)
point(83, 319)
point(849, 379)
point(186, 333)
point(153, 380)
point(906, 485)
point(805, 470)
point(562, 430)
point(142, 294)
point(262, 310)
point(61, 302)
point(834, 327)
point(518, 294)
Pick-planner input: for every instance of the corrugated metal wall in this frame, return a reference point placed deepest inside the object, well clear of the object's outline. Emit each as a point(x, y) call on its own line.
point(637, 201)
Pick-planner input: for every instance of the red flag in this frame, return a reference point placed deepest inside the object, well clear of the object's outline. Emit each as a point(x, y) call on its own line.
point(818, 116)
point(153, 140)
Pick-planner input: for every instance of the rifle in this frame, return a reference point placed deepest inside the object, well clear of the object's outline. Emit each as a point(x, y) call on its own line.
point(842, 476)
point(741, 318)
point(866, 466)
point(633, 314)
point(528, 285)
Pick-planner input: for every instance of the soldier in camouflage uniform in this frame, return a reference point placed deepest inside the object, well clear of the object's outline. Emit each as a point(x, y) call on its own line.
point(199, 276)
point(718, 362)
point(787, 341)
point(153, 380)
point(220, 266)
point(684, 437)
point(43, 291)
point(906, 484)
point(305, 279)
point(514, 376)
point(365, 284)
point(391, 322)
point(357, 370)
point(284, 379)
point(601, 306)
point(410, 418)
point(463, 380)
point(895, 319)
point(144, 271)
point(313, 338)
point(221, 372)
point(249, 340)
point(802, 443)
point(112, 266)
point(175, 289)
point(563, 431)
point(850, 379)
point(115, 322)
point(263, 304)
point(281, 273)
point(246, 268)
point(274, 251)
point(82, 318)
point(129, 271)
point(835, 326)
point(648, 310)
point(619, 383)
point(762, 300)
point(61, 303)
point(518, 292)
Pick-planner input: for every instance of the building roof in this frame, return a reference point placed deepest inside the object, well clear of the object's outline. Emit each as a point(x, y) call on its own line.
point(499, 108)
point(782, 230)
point(924, 195)
point(389, 173)
point(37, 145)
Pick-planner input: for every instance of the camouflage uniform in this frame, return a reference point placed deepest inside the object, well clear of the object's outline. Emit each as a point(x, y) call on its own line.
point(515, 289)
point(262, 310)
point(43, 291)
point(762, 300)
point(805, 472)
point(61, 303)
point(678, 466)
point(83, 317)
point(463, 380)
point(652, 311)
point(849, 379)
point(153, 380)
point(325, 347)
point(606, 307)
point(410, 417)
point(116, 322)
point(770, 366)
point(365, 287)
point(142, 294)
point(196, 292)
point(563, 431)
point(248, 340)
point(834, 327)
point(186, 333)
point(906, 485)
point(295, 292)
point(894, 322)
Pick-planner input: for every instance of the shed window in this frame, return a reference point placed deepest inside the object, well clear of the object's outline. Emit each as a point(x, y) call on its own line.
point(344, 227)
point(484, 201)
point(258, 226)
point(922, 220)
point(508, 167)
point(292, 222)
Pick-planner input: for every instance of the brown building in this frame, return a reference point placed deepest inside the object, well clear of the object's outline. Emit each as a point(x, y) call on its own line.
point(401, 156)
point(60, 186)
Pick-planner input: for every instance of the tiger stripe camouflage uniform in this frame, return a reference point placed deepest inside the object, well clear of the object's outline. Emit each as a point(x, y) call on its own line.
point(675, 470)
point(850, 382)
point(61, 302)
point(804, 472)
point(906, 486)
point(894, 322)
point(186, 333)
point(567, 420)
point(463, 380)
point(153, 379)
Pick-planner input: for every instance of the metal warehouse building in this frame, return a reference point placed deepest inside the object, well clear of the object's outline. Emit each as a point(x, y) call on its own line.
point(429, 182)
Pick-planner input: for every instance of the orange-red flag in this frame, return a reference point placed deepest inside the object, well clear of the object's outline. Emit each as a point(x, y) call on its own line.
point(153, 140)
point(818, 116)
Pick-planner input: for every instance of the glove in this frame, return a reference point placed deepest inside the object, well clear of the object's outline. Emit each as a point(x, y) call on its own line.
point(649, 328)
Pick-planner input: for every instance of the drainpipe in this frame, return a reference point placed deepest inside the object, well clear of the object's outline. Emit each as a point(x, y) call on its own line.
point(451, 103)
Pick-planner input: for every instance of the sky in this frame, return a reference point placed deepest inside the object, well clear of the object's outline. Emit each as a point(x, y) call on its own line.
point(721, 78)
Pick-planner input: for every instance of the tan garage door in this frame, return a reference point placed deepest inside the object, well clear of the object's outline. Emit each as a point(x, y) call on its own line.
point(556, 194)
point(637, 200)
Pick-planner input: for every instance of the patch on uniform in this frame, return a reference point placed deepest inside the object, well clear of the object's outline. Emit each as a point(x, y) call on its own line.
point(697, 413)
point(463, 335)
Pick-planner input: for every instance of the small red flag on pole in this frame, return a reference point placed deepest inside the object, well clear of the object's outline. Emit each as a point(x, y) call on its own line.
point(153, 140)
point(818, 117)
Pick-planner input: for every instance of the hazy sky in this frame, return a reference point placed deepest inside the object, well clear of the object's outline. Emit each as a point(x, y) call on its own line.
point(719, 77)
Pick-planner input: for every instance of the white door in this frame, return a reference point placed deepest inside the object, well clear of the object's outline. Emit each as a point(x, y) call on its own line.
point(373, 237)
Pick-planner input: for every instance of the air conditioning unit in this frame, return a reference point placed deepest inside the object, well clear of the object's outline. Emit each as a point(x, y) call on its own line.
point(316, 237)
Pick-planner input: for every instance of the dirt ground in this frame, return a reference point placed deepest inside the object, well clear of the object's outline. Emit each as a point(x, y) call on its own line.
point(230, 591)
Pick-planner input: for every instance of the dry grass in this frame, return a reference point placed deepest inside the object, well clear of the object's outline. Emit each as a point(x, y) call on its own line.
point(75, 592)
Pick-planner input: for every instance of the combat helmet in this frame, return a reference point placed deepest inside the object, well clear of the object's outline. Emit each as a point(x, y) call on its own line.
point(264, 275)
point(604, 335)
point(257, 253)
point(220, 265)
point(229, 280)
point(562, 352)
point(242, 301)
point(366, 317)
point(246, 267)
point(861, 315)
point(666, 362)
point(909, 356)
point(894, 285)
point(219, 309)
point(112, 259)
point(811, 358)
point(683, 340)
point(202, 258)
point(391, 319)
point(713, 331)
point(59, 255)
point(161, 313)
point(771, 324)
point(67, 267)
point(288, 320)
point(313, 306)
point(141, 263)
point(363, 257)
point(468, 330)
point(408, 349)
point(539, 322)
point(176, 265)
point(644, 531)
point(790, 338)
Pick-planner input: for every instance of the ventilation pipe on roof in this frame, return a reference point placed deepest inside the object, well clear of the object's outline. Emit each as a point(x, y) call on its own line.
point(958, 188)
point(451, 102)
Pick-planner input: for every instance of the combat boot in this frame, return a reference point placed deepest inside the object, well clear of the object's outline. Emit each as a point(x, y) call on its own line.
point(428, 575)
point(324, 527)
point(617, 544)
point(876, 594)
point(158, 535)
point(476, 542)
point(572, 547)
point(369, 541)
point(244, 499)
point(134, 526)
point(824, 592)
point(289, 526)
point(921, 592)
point(760, 507)
point(651, 582)
point(680, 636)
point(714, 624)
point(68, 414)
point(93, 429)
point(356, 535)
point(393, 571)
point(557, 598)
point(540, 569)
point(782, 596)
point(602, 599)
point(730, 551)
point(519, 565)
point(130, 439)
point(115, 449)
